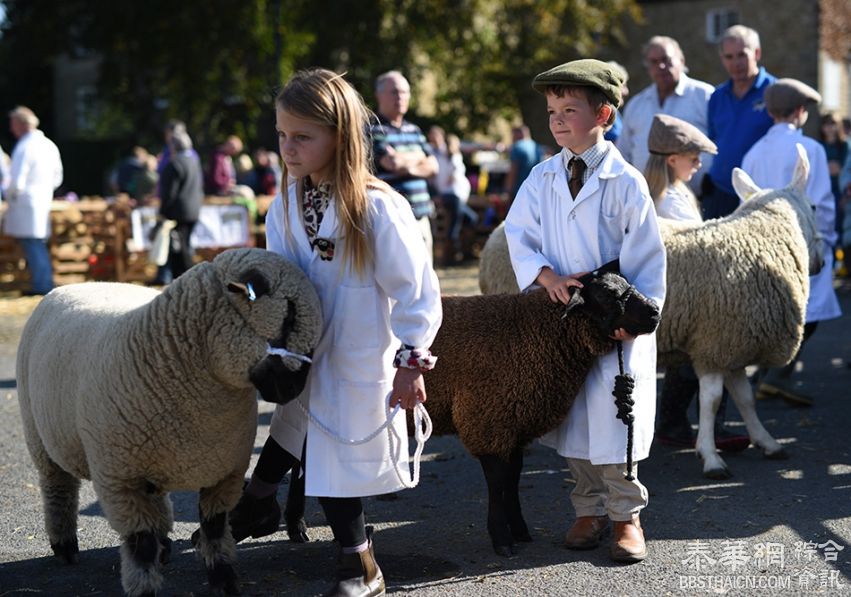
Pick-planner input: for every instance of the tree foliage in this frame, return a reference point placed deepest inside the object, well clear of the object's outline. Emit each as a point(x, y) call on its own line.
point(216, 64)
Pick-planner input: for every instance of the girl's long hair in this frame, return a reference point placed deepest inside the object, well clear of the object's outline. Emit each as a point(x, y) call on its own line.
point(324, 97)
point(660, 176)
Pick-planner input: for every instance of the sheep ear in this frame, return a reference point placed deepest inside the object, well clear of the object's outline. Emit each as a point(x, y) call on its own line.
point(252, 284)
point(802, 170)
point(246, 289)
point(744, 185)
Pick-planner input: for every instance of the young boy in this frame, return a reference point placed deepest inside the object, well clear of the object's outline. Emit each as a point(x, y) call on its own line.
point(771, 163)
point(576, 211)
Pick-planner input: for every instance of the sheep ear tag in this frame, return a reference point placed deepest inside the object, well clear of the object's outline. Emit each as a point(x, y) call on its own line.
point(575, 301)
point(247, 289)
point(744, 185)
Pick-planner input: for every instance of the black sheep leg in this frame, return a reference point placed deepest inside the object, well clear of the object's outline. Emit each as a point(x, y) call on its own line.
point(497, 477)
point(511, 498)
point(294, 512)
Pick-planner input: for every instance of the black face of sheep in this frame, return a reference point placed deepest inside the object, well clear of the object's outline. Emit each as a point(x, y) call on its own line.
point(615, 304)
point(278, 379)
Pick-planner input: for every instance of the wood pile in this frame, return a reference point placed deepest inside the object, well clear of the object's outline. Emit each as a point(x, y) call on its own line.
point(89, 242)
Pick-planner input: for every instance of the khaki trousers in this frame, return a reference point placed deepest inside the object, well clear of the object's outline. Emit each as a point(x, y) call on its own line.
point(602, 490)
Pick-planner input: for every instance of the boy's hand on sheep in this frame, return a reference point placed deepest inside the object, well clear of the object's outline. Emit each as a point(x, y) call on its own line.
point(408, 388)
point(622, 334)
point(558, 287)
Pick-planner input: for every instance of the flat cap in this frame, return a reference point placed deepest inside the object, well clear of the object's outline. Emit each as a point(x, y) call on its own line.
point(586, 72)
point(670, 135)
point(784, 95)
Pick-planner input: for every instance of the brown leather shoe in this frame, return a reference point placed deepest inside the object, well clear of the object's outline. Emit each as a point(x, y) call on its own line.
point(586, 532)
point(628, 541)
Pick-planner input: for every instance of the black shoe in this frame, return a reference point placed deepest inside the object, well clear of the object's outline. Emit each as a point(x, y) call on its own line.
point(727, 441)
point(252, 517)
point(255, 517)
point(677, 435)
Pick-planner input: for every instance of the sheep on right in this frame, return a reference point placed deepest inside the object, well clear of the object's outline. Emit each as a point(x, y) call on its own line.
point(737, 294)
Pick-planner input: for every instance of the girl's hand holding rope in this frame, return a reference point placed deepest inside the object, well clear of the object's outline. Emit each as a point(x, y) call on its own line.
point(408, 388)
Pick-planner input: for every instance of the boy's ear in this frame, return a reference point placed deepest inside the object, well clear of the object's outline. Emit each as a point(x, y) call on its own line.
point(604, 114)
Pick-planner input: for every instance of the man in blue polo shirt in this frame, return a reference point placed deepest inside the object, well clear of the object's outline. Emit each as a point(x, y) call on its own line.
point(403, 157)
point(737, 116)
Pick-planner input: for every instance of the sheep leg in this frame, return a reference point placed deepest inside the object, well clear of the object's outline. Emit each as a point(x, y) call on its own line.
point(511, 498)
point(294, 512)
point(711, 388)
point(740, 389)
point(60, 497)
point(141, 513)
point(497, 476)
point(216, 545)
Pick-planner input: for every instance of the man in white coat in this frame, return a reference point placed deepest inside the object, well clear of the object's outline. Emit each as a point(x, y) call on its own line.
point(770, 163)
point(673, 93)
point(578, 210)
point(36, 171)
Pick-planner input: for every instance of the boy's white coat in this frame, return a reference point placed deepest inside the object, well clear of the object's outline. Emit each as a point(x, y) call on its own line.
point(366, 319)
point(612, 218)
point(771, 164)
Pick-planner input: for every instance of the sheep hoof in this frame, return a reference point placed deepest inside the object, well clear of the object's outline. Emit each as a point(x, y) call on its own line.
point(223, 580)
point(67, 551)
point(506, 551)
point(779, 454)
point(165, 552)
point(719, 474)
point(522, 536)
point(297, 531)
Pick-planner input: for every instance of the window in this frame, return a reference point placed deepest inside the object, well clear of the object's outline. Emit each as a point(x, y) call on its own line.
point(831, 77)
point(718, 20)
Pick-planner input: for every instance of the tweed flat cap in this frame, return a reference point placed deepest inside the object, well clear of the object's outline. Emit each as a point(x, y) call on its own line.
point(670, 135)
point(586, 72)
point(784, 95)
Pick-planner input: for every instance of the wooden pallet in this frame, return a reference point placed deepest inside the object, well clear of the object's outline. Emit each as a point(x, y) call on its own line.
point(89, 242)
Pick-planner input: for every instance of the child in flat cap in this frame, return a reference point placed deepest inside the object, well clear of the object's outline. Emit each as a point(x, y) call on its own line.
point(583, 208)
point(675, 147)
point(771, 163)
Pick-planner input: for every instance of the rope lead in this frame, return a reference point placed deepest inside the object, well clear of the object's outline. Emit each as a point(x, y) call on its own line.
point(624, 384)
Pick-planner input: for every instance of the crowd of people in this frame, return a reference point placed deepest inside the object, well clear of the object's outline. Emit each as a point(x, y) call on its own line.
point(362, 232)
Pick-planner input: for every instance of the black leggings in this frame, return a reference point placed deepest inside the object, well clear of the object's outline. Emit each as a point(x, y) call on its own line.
point(344, 515)
point(274, 462)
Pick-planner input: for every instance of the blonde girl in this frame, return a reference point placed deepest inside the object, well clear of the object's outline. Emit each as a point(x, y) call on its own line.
point(675, 148)
point(358, 242)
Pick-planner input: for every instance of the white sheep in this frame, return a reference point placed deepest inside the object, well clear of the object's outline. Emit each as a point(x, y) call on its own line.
point(737, 294)
point(146, 393)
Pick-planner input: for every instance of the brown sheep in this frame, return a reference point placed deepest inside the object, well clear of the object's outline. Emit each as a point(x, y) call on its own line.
point(508, 370)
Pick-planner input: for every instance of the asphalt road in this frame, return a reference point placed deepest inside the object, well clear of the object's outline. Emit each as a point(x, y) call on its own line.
point(775, 528)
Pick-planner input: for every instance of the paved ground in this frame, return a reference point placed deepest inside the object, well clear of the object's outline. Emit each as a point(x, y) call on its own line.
point(779, 528)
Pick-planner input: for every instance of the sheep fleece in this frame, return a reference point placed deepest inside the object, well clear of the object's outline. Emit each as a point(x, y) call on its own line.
point(119, 385)
point(750, 272)
point(508, 369)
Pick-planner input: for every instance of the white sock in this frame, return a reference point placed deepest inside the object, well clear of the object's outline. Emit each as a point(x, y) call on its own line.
point(357, 548)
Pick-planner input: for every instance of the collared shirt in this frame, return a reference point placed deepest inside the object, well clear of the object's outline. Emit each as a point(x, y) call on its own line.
point(688, 102)
point(735, 124)
point(592, 157)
